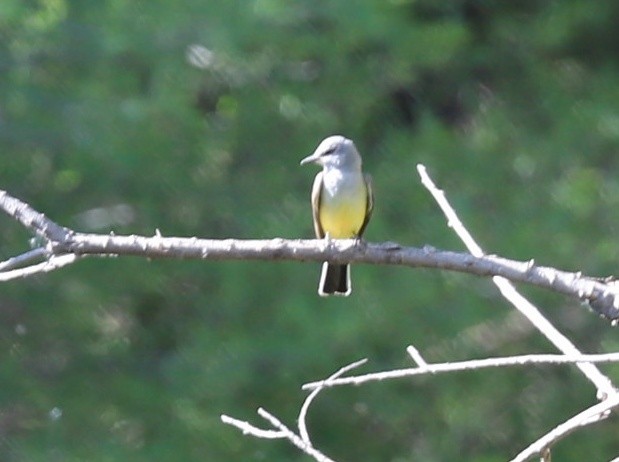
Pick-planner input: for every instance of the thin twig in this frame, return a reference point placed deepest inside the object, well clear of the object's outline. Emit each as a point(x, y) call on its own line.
point(302, 440)
point(474, 364)
point(416, 356)
point(249, 429)
point(23, 259)
point(281, 432)
point(602, 383)
point(308, 401)
point(586, 417)
point(54, 263)
point(293, 438)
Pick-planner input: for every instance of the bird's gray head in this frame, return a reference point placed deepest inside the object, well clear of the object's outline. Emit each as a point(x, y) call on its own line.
point(335, 152)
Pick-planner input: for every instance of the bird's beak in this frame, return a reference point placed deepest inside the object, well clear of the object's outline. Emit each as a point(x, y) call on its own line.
point(312, 158)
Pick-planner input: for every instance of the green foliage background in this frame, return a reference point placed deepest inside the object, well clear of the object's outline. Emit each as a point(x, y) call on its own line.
point(191, 117)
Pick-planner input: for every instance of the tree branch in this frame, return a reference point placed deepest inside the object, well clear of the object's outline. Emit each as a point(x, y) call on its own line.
point(603, 295)
point(54, 262)
point(473, 364)
point(23, 259)
point(606, 391)
point(587, 417)
point(302, 440)
point(533, 314)
point(31, 219)
point(282, 432)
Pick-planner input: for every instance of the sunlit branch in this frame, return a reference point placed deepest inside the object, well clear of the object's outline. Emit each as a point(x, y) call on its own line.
point(24, 259)
point(589, 416)
point(469, 365)
point(281, 432)
point(531, 312)
point(310, 398)
point(52, 263)
point(300, 440)
point(602, 295)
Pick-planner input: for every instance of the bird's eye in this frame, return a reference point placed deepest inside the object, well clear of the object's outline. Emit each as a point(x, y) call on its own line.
point(329, 151)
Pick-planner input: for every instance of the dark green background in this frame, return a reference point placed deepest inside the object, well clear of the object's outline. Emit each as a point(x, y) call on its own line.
point(191, 117)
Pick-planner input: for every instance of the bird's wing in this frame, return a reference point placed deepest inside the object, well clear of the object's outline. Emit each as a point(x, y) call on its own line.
point(316, 190)
point(370, 203)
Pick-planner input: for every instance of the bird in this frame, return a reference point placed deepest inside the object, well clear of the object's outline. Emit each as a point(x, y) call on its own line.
point(342, 204)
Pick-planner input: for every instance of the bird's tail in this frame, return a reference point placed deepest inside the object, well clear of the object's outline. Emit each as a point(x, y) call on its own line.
point(334, 280)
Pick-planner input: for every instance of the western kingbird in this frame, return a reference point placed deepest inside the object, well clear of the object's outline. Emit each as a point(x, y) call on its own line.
point(342, 203)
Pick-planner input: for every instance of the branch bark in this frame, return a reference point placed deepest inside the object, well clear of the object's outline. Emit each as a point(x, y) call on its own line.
point(424, 368)
point(602, 294)
point(300, 440)
point(582, 419)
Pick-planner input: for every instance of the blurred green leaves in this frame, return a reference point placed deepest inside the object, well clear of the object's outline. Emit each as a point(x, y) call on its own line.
point(191, 118)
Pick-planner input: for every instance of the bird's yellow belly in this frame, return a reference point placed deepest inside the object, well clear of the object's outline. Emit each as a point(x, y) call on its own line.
point(343, 219)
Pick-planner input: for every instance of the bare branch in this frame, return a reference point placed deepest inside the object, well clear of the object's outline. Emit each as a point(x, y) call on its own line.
point(281, 432)
point(605, 388)
point(249, 429)
point(474, 364)
point(32, 219)
point(603, 295)
point(603, 384)
point(64, 246)
point(308, 401)
point(302, 441)
point(54, 263)
point(590, 415)
point(293, 438)
point(23, 259)
point(416, 356)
